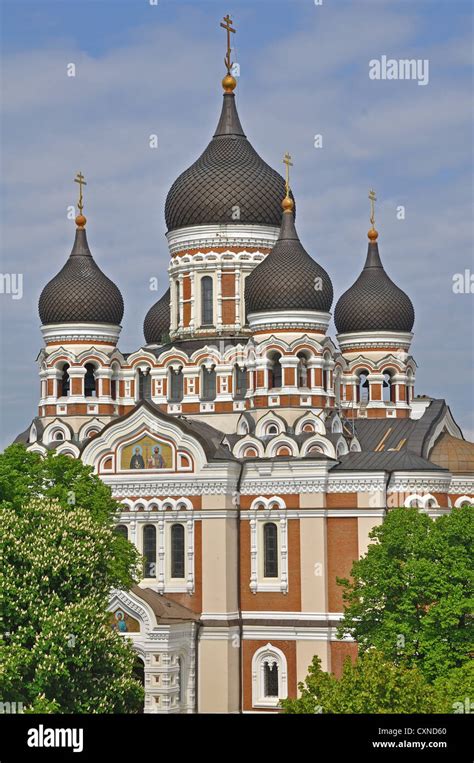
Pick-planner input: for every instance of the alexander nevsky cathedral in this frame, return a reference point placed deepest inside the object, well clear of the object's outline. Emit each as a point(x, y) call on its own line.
point(250, 453)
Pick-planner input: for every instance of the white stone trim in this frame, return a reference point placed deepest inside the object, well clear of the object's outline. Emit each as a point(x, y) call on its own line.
point(74, 332)
point(374, 339)
point(311, 320)
point(257, 519)
point(262, 656)
point(462, 499)
point(219, 235)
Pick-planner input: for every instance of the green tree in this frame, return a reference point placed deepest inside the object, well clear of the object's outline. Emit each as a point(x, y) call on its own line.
point(60, 560)
point(410, 596)
point(372, 685)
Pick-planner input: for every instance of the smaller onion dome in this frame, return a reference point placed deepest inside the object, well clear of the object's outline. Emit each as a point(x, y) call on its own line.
point(288, 278)
point(80, 292)
point(374, 302)
point(157, 320)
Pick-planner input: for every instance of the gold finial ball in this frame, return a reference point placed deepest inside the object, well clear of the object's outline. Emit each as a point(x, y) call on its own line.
point(81, 221)
point(229, 83)
point(373, 234)
point(288, 204)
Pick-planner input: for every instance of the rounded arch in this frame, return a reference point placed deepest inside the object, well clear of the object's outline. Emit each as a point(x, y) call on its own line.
point(363, 387)
point(414, 501)
point(276, 447)
point(267, 421)
point(464, 500)
point(248, 442)
point(275, 502)
point(316, 443)
point(57, 431)
point(309, 422)
point(269, 676)
point(341, 447)
point(275, 371)
point(68, 449)
point(302, 369)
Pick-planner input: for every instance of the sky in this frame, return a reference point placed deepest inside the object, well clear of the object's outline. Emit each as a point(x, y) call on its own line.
point(145, 69)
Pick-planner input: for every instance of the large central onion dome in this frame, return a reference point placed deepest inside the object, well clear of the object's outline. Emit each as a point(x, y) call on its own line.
point(374, 302)
point(229, 183)
point(288, 278)
point(80, 292)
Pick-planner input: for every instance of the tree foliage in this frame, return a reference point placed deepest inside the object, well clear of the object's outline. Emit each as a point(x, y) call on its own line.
point(411, 594)
point(376, 685)
point(60, 561)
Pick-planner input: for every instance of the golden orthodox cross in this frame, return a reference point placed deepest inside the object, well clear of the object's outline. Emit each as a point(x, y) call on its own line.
point(81, 180)
point(373, 199)
point(228, 27)
point(289, 163)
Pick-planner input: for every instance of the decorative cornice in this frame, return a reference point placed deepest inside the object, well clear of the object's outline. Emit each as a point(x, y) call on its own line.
point(283, 486)
point(173, 487)
point(194, 236)
point(80, 332)
point(374, 340)
point(464, 484)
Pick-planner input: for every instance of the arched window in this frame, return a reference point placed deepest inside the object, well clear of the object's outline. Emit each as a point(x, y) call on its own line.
point(388, 389)
point(114, 383)
point(208, 384)
point(178, 311)
point(303, 372)
point(149, 551)
point(326, 374)
point(270, 678)
point(176, 385)
point(89, 381)
point(274, 372)
point(122, 530)
point(207, 307)
point(65, 382)
point(337, 388)
point(363, 387)
point(271, 429)
point(177, 551)
point(240, 377)
point(270, 550)
point(58, 435)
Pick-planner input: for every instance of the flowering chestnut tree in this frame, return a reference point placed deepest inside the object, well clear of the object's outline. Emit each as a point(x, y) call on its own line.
point(60, 559)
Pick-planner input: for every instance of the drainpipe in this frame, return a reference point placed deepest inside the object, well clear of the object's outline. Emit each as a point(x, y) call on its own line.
point(197, 626)
point(239, 597)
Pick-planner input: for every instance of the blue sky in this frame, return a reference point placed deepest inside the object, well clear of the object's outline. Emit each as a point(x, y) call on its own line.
point(144, 69)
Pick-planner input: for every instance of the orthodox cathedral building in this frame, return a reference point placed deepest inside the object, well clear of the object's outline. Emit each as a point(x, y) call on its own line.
point(251, 453)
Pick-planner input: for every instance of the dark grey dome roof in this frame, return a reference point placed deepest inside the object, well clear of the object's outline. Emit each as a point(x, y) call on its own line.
point(286, 279)
point(157, 320)
point(228, 174)
point(374, 302)
point(80, 292)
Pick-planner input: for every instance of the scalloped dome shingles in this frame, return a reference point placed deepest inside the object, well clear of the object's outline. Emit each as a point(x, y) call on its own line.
point(80, 292)
point(286, 279)
point(157, 320)
point(374, 302)
point(229, 174)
